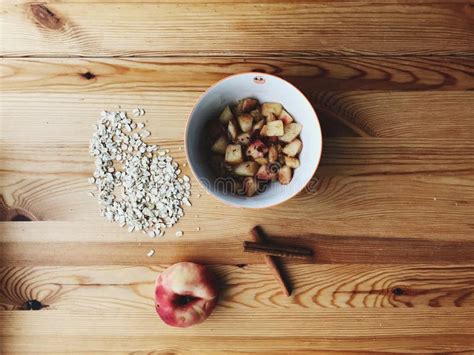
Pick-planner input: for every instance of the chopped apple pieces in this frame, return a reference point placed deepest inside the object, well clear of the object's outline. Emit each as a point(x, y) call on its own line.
point(243, 138)
point(293, 148)
point(247, 105)
point(245, 122)
point(247, 168)
point(292, 130)
point(220, 145)
point(226, 115)
point(285, 117)
point(232, 129)
point(257, 149)
point(292, 162)
point(254, 144)
point(250, 186)
point(274, 129)
point(272, 154)
point(284, 175)
point(271, 107)
point(233, 154)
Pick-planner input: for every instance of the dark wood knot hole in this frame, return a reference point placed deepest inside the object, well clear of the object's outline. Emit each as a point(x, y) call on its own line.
point(397, 291)
point(32, 305)
point(16, 215)
point(21, 218)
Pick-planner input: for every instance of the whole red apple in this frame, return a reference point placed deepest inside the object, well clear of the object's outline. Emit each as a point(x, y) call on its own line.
point(185, 294)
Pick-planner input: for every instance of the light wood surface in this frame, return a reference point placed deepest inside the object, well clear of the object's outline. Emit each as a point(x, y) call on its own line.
point(389, 213)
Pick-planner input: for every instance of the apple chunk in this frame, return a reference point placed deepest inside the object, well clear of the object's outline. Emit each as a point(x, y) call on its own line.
point(247, 105)
point(292, 131)
point(257, 149)
point(271, 107)
point(250, 186)
point(275, 129)
point(261, 161)
point(284, 175)
point(247, 168)
point(219, 145)
point(267, 172)
point(285, 117)
point(233, 131)
point(293, 148)
point(226, 115)
point(245, 122)
point(292, 162)
point(243, 138)
point(257, 115)
point(272, 154)
point(233, 154)
point(258, 126)
point(271, 117)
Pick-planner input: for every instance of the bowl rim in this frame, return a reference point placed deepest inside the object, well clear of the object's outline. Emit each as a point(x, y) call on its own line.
point(191, 166)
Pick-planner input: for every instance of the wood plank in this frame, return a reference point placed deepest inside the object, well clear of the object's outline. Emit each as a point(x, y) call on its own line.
point(29, 118)
point(342, 156)
point(142, 330)
point(83, 289)
point(365, 198)
point(322, 28)
point(72, 75)
point(459, 344)
point(333, 241)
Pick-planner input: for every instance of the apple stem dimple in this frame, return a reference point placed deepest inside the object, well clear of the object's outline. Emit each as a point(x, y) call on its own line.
point(183, 300)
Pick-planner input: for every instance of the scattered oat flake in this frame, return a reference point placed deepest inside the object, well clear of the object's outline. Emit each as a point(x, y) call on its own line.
point(198, 228)
point(434, 198)
point(146, 193)
point(198, 195)
point(179, 233)
point(136, 112)
point(91, 194)
point(151, 253)
point(91, 180)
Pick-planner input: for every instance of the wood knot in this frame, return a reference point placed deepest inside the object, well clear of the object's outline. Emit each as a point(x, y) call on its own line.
point(14, 214)
point(397, 291)
point(44, 17)
point(88, 75)
point(32, 305)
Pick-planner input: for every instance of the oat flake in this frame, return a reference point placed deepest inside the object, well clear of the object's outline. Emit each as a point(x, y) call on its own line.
point(147, 193)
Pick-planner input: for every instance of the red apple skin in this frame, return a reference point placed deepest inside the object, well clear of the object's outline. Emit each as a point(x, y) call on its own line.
point(175, 284)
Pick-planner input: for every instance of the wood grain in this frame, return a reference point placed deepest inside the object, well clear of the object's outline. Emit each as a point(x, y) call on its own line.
point(82, 289)
point(142, 330)
point(334, 241)
point(71, 75)
point(389, 213)
point(365, 198)
point(183, 344)
point(322, 28)
point(68, 118)
point(342, 156)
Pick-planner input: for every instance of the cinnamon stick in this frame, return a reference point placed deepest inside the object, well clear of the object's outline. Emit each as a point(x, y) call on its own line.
point(277, 250)
point(272, 264)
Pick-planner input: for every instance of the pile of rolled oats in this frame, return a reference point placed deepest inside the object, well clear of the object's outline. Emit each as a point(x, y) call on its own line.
point(138, 184)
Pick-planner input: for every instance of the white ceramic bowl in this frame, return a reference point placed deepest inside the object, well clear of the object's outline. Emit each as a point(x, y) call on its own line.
point(265, 88)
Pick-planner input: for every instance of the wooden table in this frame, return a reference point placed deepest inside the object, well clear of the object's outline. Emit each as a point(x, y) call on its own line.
point(390, 214)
